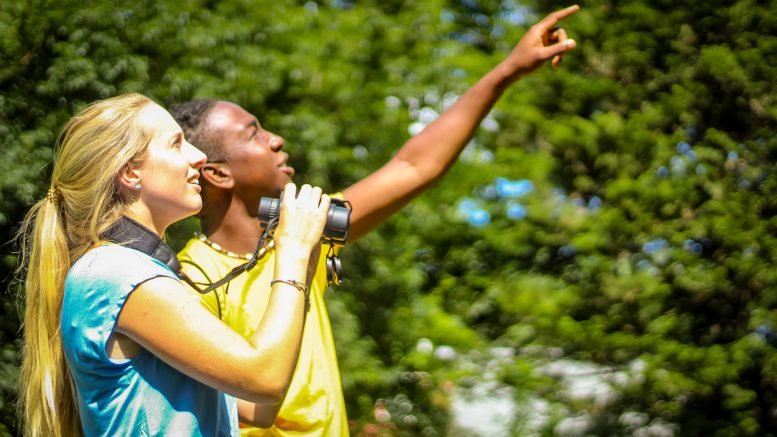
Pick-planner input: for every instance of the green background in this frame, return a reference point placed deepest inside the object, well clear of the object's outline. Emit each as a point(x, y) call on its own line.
point(599, 262)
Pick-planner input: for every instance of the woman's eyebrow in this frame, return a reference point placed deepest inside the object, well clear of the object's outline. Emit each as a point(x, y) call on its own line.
point(175, 138)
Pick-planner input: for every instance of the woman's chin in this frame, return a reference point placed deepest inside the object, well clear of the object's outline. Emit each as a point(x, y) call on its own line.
point(191, 210)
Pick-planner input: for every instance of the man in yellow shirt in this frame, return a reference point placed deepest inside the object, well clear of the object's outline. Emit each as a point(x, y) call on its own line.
point(314, 402)
point(245, 163)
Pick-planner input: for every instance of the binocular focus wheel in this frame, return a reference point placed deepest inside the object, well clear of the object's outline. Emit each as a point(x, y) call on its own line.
point(333, 270)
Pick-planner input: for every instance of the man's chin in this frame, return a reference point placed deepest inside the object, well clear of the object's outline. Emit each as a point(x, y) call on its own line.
point(279, 190)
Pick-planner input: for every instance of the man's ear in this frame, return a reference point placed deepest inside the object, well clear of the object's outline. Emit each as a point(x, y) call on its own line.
point(218, 175)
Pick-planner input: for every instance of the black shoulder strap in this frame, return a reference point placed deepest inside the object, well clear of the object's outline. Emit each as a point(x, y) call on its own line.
point(132, 234)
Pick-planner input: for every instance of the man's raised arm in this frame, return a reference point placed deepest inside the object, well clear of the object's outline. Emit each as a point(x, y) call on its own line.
point(428, 155)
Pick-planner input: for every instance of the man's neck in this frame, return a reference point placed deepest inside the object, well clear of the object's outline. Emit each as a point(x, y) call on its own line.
point(234, 229)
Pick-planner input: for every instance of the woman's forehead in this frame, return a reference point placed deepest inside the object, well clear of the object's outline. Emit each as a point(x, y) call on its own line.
point(160, 121)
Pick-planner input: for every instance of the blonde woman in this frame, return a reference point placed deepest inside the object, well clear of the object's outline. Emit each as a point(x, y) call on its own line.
point(114, 343)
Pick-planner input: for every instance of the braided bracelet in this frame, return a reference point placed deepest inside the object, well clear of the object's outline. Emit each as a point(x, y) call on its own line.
point(299, 286)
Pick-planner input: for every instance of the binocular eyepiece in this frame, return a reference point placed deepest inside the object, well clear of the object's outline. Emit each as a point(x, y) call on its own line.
point(335, 232)
point(337, 220)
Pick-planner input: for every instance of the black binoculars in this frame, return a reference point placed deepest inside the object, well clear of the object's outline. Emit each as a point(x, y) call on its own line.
point(337, 221)
point(335, 231)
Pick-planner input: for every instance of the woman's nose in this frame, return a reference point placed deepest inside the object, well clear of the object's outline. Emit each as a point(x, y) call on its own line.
point(196, 158)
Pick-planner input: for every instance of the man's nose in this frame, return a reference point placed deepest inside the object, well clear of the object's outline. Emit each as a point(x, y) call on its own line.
point(276, 142)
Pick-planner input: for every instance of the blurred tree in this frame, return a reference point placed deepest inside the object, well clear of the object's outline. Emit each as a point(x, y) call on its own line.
point(616, 214)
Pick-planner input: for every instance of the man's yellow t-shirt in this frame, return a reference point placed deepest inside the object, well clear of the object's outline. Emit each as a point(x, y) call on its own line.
point(314, 404)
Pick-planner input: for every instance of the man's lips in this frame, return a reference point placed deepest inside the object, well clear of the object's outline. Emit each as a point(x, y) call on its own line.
point(286, 169)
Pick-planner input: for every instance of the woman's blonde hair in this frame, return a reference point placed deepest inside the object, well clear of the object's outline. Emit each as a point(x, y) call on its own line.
point(83, 201)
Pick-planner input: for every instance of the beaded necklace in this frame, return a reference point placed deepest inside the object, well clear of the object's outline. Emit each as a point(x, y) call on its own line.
point(217, 247)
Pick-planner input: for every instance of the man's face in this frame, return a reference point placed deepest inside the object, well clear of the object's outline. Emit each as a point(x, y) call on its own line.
point(253, 155)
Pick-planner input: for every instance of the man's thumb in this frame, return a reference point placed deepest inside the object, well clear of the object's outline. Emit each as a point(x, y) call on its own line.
point(559, 48)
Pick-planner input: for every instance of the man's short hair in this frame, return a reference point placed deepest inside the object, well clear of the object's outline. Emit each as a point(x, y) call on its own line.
point(192, 116)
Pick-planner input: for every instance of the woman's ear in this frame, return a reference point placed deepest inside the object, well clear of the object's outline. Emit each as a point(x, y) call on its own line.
point(218, 175)
point(129, 178)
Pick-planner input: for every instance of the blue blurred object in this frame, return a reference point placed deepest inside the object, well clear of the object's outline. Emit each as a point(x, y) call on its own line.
point(701, 170)
point(516, 211)
point(683, 147)
point(766, 334)
point(692, 246)
point(507, 188)
point(489, 192)
point(578, 202)
point(644, 264)
point(653, 246)
point(678, 166)
point(662, 172)
point(594, 203)
point(732, 156)
point(478, 217)
point(466, 205)
point(559, 195)
point(566, 251)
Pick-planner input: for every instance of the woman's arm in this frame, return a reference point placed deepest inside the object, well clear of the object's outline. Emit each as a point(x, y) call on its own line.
point(258, 415)
point(164, 317)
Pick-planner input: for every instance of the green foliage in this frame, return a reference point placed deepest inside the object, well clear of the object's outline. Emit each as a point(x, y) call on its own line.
point(643, 249)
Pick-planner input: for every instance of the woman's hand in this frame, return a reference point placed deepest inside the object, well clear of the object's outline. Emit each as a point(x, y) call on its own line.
point(302, 218)
point(542, 42)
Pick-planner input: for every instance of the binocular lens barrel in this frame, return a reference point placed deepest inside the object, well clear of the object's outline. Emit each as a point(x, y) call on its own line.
point(337, 220)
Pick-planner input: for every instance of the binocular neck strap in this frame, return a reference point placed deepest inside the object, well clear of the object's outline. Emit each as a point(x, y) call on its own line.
point(130, 233)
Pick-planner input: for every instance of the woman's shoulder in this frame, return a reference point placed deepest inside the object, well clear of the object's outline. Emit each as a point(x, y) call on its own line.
point(114, 261)
point(109, 250)
point(103, 278)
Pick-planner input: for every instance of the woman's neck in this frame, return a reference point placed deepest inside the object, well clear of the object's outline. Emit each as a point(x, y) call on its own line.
point(145, 218)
